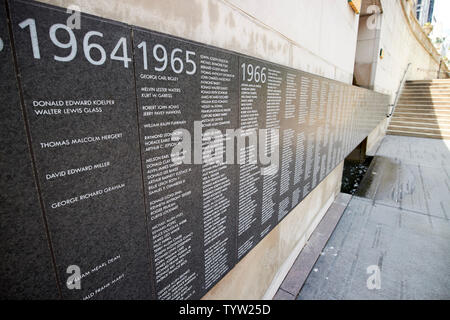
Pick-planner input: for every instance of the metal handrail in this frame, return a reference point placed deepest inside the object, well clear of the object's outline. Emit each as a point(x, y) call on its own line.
point(397, 94)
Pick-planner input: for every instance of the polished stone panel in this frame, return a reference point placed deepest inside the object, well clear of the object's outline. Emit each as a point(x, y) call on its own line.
point(82, 118)
point(258, 194)
point(192, 205)
point(26, 270)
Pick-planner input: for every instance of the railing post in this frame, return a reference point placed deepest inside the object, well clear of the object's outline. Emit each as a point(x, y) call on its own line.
point(402, 81)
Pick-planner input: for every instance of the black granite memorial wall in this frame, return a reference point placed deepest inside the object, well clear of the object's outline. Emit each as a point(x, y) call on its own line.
point(81, 111)
point(94, 178)
point(26, 266)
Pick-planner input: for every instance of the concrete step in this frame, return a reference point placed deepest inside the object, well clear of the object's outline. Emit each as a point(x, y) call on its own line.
point(444, 112)
point(425, 84)
point(429, 81)
point(425, 87)
point(418, 134)
point(414, 95)
point(427, 115)
point(423, 106)
point(416, 118)
point(423, 110)
point(428, 87)
point(426, 98)
point(445, 97)
point(424, 102)
point(424, 91)
point(419, 129)
point(420, 124)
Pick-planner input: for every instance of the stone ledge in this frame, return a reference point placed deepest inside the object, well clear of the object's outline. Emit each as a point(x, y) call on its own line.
point(305, 261)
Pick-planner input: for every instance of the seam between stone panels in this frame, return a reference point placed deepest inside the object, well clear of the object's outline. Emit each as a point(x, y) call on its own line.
point(144, 195)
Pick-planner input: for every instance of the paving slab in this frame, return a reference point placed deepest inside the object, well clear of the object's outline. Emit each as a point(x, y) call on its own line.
point(393, 239)
point(304, 263)
point(410, 250)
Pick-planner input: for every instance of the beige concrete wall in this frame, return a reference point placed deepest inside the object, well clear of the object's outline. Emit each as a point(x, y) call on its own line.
point(403, 42)
point(375, 137)
point(315, 36)
point(367, 51)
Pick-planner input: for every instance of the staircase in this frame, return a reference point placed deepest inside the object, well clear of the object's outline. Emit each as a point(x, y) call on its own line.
point(423, 110)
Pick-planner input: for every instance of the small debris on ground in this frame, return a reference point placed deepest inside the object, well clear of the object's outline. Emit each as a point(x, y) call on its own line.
point(354, 172)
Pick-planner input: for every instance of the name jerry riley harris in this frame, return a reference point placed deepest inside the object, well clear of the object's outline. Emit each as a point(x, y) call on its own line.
point(214, 147)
